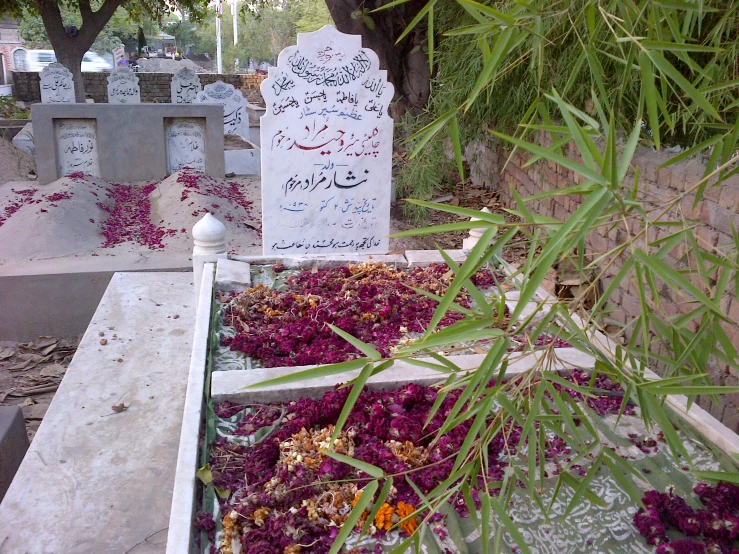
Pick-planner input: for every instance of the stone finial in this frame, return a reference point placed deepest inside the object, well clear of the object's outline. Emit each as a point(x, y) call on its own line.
point(475, 233)
point(209, 245)
point(209, 236)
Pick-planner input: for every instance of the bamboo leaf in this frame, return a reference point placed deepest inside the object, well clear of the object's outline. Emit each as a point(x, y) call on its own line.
point(312, 373)
point(351, 400)
point(421, 14)
point(369, 469)
point(717, 476)
point(364, 348)
point(687, 87)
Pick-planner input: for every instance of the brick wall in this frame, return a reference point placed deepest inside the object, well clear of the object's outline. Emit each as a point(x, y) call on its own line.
point(713, 216)
point(155, 87)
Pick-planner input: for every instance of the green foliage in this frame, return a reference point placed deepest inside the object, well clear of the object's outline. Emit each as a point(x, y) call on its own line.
point(184, 32)
point(263, 33)
point(666, 59)
point(310, 15)
point(10, 110)
point(120, 28)
point(423, 175)
point(581, 84)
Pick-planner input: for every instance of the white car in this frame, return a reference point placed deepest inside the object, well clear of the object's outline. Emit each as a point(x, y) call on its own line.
point(36, 60)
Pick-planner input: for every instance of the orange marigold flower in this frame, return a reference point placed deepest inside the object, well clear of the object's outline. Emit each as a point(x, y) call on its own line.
point(403, 510)
point(384, 517)
point(356, 498)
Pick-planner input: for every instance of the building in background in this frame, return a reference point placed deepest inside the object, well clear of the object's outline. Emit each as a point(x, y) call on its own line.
point(12, 52)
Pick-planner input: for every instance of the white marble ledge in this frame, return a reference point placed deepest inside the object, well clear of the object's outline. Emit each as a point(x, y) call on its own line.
point(183, 496)
point(231, 385)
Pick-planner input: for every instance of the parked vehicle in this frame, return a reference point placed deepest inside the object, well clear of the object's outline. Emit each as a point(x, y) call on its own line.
point(36, 60)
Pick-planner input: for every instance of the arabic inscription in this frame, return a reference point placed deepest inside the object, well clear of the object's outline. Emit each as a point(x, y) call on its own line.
point(326, 148)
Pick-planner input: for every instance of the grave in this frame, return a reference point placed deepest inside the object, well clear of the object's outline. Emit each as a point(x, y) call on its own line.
point(235, 117)
point(57, 85)
point(126, 142)
point(326, 142)
point(123, 87)
point(230, 385)
point(241, 155)
point(185, 86)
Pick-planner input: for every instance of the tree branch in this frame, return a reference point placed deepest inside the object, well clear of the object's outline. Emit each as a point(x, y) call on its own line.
point(52, 19)
point(85, 11)
point(96, 21)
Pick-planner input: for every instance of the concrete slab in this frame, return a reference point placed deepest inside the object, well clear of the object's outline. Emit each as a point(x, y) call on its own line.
point(13, 444)
point(103, 478)
point(232, 275)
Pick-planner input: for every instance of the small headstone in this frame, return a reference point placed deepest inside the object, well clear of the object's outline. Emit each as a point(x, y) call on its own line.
point(185, 86)
point(76, 141)
point(123, 87)
point(235, 117)
point(57, 85)
point(326, 142)
point(186, 145)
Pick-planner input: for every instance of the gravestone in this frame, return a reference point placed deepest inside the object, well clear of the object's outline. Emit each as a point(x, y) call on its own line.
point(123, 87)
point(77, 145)
point(57, 85)
point(185, 86)
point(186, 144)
point(326, 142)
point(235, 118)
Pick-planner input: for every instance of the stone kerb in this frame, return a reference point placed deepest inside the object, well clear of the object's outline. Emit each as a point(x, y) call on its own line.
point(326, 142)
point(185, 86)
point(235, 117)
point(123, 87)
point(56, 85)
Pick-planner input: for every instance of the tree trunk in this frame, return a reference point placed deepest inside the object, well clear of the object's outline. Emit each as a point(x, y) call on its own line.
point(73, 62)
point(405, 62)
point(71, 47)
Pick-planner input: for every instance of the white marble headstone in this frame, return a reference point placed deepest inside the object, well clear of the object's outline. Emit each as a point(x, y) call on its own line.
point(185, 86)
point(327, 144)
point(123, 87)
point(77, 145)
point(186, 144)
point(235, 117)
point(57, 85)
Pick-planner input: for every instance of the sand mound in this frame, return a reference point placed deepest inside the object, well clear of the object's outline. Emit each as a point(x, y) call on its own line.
point(182, 199)
point(14, 163)
point(166, 65)
point(53, 220)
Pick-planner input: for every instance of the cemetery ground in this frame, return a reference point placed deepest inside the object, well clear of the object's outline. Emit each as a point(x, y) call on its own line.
point(30, 371)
